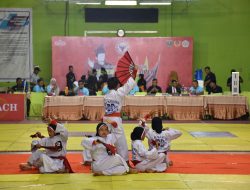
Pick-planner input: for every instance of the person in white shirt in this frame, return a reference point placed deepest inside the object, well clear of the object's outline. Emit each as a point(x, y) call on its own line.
point(52, 159)
point(113, 102)
point(103, 153)
point(34, 76)
point(161, 138)
point(145, 160)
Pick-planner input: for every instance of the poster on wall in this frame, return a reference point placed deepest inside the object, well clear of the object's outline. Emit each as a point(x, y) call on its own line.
point(16, 44)
point(157, 57)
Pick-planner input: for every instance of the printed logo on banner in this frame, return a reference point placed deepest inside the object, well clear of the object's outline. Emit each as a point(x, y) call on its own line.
point(14, 22)
point(177, 43)
point(122, 47)
point(185, 43)
point(60, 43)
point(170, 43)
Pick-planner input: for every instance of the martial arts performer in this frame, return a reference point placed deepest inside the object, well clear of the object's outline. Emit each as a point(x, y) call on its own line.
point(113, 102)
point(52, 159)
point(160, 138)
point(145, 160)
point(103, 153)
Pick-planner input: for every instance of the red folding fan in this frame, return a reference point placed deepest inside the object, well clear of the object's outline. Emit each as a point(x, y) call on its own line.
point(125, 68)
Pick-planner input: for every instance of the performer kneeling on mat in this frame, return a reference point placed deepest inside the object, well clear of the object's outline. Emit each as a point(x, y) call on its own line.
point(103, 153)
point(52, 159)
point(144, 160)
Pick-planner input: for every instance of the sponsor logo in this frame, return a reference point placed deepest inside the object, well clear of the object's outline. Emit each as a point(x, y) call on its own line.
point(177, 43)
point(60, 43)
point(185, 43)
point(122, 47)
point(169, 43)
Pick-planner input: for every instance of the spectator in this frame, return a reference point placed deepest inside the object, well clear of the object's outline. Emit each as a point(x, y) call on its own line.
point(105, 89)
point(19, 87)
point(229, 81)
point(34, 76)
point(173, 88)
point(142, 83)
point(92, 82)
point(70, 77)
point(103, 78)
point(53, 88)
point(134, 90)
point(154, 88)
point(195, 89)
point(214, 88)
point(82, 91)
point(210, 77)
point(39, 87)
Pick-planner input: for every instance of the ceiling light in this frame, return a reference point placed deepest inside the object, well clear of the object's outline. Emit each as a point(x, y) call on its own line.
point(120, 2)
point(86, 3)
point(151, 2)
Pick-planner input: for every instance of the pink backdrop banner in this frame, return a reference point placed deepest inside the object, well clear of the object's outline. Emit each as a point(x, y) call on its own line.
point(156, 57)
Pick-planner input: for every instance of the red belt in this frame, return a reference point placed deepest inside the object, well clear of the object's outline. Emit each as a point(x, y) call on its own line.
point(65, 162)
point(116, 114)
point(135, 162)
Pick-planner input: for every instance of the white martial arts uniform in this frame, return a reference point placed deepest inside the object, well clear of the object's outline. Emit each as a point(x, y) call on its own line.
point(113, 102)
point(43, 160)
point(102, 161)
point(147, 159)
point(163, 139)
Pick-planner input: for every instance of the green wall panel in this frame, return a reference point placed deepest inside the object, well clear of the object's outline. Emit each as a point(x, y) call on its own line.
point(220, 28)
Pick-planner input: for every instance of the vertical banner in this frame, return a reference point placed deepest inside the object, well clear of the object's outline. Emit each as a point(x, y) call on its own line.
point(157, 57)
point(16, 44)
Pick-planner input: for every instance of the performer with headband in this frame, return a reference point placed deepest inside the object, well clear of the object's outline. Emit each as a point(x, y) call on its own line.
point(52, 159)
point(103, 153)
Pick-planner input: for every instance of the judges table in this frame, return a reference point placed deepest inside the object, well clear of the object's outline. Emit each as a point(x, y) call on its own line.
point(175, 107)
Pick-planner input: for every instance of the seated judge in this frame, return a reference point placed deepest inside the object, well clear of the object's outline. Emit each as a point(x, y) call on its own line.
point(173, 88)
point(39, 87)
point(154, 88)
point(195, 89)
point(81, 90)
point(214, 88)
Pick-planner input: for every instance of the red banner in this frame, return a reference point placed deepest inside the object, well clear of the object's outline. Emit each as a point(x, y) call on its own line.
point(12, 107)
point(157, 57)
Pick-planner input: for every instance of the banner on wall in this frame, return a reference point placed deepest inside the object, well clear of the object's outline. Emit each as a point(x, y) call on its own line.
point(12, 107)
point(157, 57)
point(16, 44)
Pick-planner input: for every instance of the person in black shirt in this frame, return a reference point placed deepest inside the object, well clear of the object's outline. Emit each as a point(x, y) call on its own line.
point(173, 88)
point(210, 77)
point(142, 84)
point(70, 77)
point(229, 81)
point(92, 82)
point(154, 88)
point(22, 86)
point(214, 88)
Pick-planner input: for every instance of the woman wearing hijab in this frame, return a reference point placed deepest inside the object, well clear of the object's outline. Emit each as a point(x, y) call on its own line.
point(160, 138)
point(53, 88)
point(144, 160)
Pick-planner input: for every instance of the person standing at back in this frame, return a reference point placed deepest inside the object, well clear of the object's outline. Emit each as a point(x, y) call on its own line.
point(210, 77)
point(70, 77)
